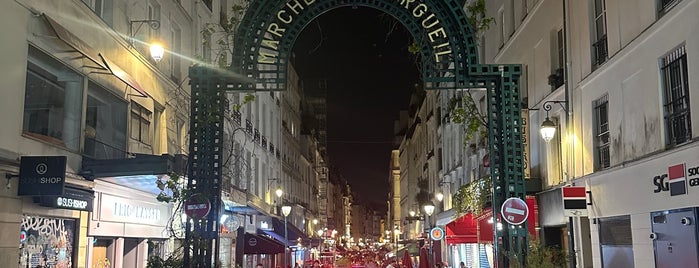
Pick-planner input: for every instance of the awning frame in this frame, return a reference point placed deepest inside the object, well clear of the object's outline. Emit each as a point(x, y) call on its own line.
point(90, 53)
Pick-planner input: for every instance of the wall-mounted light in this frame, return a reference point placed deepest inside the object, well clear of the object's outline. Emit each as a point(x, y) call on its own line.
point(156, 49)
point(440, 197)
point(548, 127)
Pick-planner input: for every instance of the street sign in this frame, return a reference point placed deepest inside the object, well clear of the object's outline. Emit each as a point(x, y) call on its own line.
point(197, 206)
point(574, 201)
point(514, 211)
point(436, 233)
point(42, 175)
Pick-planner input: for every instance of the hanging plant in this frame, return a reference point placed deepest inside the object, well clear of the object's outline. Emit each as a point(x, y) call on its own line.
point(473, 197)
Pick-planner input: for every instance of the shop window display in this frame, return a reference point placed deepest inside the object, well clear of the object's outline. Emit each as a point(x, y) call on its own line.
point(47, 242)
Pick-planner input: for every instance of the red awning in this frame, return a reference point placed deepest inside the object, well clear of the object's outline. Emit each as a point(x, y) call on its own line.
point(462, 230)
point(479, 229)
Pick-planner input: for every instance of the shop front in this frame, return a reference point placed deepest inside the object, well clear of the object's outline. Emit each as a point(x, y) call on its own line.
point(644, 214)
point(50, 209)
point(469, 238)
point(128, 225)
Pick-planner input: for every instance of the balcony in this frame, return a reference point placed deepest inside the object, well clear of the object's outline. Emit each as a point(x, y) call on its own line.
point(600, 51)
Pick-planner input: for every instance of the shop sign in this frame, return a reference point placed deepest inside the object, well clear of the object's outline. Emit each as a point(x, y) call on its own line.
point(676, 179)
point(42, 175)
point(574, 201)
point(119, 209)
point(72, 199)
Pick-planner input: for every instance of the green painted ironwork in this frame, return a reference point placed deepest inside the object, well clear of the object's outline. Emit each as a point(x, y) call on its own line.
point(204, 170)
point(260, 60)
point(447, 71)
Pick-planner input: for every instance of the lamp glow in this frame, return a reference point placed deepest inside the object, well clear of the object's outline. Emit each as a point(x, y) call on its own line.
point(412, 213)
point(315, 221)
point(440, 197)
point(279, 192)
point(157, 51)
point(286, 210)
point(548, 129)
point(429, 209)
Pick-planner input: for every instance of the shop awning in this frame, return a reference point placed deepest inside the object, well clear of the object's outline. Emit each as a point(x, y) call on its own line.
point(462, 230)
point(471, 228)
point(74, 42)
point(293, 234)
point(259, 244)
point(88, 52)
point(123, 76)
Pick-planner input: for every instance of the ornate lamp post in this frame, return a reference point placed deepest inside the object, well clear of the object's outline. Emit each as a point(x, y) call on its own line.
point(429, 209)
point(286, 210)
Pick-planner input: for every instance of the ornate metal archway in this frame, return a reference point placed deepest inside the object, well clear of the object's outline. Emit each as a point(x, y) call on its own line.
point(449, 56)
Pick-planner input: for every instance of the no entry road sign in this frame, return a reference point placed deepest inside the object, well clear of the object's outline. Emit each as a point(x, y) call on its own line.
point(514, 211)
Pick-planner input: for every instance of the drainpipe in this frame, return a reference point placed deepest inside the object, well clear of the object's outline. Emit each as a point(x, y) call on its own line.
point(569, 124)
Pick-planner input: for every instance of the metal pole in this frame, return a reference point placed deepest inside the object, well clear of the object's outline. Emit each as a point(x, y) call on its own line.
point(286, 241)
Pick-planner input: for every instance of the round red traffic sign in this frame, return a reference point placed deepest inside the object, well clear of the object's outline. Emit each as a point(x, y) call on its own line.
point(197, 206)
point(514, 211)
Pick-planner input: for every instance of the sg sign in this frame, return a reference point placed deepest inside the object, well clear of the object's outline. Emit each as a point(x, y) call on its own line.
point(676, 179)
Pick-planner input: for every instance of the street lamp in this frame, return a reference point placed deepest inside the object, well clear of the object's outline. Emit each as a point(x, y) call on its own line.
point(429, 209)
point(440, 197)
point(279, 192)
point(548, 127)
point(285, 210)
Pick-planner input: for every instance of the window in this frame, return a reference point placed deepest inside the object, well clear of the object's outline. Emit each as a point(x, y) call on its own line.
point(616, 241)
point(557, 78)
point(501, 21)
point(676, 97)
point(175, 61)
point(52, 101)
point(665, 5)
point(601, 107)
point(153, 14)
point(140, 123)
point(208, 4)
point(599, 46)
point(105, 124)
point(96, 5)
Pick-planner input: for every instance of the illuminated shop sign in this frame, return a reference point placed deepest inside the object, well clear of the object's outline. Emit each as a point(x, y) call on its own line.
point(119, 209)
point(74, 199)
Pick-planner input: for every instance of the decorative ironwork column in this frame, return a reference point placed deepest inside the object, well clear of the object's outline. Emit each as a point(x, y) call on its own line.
point(208, 104)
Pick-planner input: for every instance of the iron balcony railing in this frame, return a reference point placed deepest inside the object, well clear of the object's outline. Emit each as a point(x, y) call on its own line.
point(601, 52)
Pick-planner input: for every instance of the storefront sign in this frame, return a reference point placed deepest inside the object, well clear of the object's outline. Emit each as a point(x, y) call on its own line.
point(119, 209)
point(72, 199)
point(42, 175)
point(574, 201)
point(676, 178)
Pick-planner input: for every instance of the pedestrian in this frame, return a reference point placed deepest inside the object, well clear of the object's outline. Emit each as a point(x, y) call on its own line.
point(259, 265)
point(462, 265)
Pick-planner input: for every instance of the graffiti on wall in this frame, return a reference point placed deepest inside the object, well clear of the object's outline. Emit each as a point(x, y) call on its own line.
point(46, 242)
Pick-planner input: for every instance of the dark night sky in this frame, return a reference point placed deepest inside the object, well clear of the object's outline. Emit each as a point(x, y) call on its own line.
point(364, 55)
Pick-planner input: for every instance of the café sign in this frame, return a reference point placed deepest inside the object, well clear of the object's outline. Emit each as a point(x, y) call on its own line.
point(42, 175)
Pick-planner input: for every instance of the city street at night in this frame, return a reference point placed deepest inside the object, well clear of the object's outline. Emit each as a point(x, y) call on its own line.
point(349, 134)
